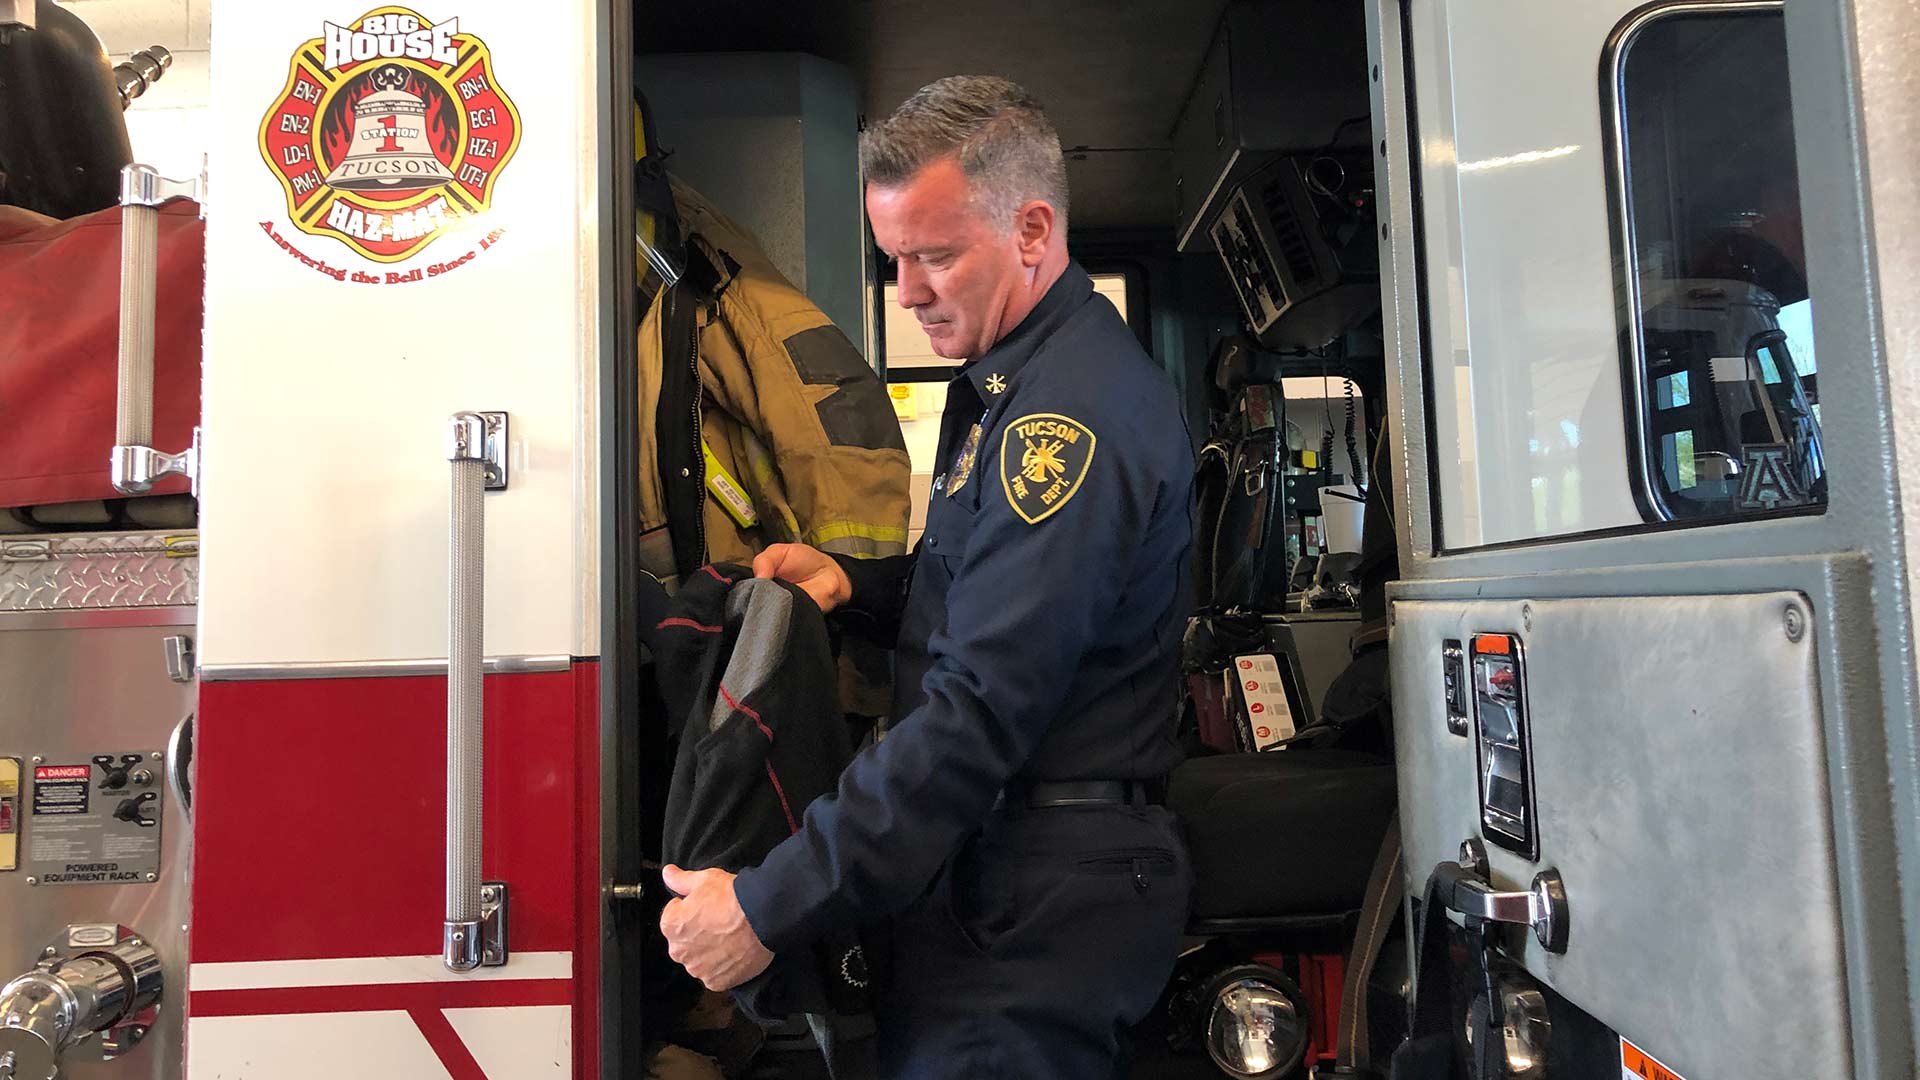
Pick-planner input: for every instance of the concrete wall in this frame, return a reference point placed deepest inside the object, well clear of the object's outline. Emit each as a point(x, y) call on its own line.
point(773, 139)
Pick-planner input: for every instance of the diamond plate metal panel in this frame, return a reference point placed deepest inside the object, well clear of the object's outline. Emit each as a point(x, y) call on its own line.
point(73, 573)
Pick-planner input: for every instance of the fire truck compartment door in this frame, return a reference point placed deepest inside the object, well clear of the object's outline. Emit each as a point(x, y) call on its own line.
point(1680, 775)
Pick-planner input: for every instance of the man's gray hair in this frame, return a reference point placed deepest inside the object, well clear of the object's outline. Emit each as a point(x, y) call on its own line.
point(1006, 147)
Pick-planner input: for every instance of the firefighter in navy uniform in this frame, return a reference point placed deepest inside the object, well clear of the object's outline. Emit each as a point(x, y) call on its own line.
point(1010, 821)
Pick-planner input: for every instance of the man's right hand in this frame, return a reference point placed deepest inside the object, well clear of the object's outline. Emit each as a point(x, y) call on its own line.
point(808, 567)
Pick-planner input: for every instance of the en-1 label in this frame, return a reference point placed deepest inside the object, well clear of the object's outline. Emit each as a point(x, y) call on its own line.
point(94, 822)
point(1637, 1064)
point(9, 813)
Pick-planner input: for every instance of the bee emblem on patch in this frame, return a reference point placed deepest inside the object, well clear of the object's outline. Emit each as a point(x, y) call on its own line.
point(1044, 459)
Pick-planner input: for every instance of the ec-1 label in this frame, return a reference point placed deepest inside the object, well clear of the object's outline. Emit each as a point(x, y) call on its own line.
point(94, 822)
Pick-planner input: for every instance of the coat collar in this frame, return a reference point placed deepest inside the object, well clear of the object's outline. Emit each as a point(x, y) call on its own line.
point(993, 373)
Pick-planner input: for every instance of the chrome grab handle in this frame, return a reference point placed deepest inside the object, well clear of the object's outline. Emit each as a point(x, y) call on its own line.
point(135, 464)
point(1463, 887)
point(474, 932)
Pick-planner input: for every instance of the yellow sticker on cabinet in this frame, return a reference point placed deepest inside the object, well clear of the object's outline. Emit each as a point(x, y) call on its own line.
point(904, 408)
point(9, 813)
point(1637, 1064)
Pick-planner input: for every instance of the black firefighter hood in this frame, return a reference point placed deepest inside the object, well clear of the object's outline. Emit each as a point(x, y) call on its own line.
point(748, 678)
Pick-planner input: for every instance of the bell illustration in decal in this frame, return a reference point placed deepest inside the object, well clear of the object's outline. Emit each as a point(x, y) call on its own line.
point(390, 148)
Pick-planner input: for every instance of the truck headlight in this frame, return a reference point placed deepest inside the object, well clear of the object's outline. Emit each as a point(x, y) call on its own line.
point(1256, 1023)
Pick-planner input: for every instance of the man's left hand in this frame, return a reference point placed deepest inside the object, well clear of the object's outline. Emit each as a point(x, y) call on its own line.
point(707, 933)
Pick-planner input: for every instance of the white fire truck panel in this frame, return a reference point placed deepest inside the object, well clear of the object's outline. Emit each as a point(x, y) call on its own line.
point(330, 375)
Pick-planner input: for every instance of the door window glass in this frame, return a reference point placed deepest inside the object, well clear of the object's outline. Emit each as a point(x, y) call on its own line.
point(1526, 434)
point(1719, 339)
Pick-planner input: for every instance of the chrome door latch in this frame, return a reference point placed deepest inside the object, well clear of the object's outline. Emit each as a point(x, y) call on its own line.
point(179, 654)
point(1465, 889)
point(1504, 743)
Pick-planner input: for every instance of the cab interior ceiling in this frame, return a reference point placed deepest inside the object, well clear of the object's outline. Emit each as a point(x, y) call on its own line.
point(1112, 76)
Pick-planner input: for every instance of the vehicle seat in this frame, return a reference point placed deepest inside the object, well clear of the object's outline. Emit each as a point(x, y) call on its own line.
point(1282, 834)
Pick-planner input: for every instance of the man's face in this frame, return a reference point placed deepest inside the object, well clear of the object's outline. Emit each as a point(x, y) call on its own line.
point(958, 274)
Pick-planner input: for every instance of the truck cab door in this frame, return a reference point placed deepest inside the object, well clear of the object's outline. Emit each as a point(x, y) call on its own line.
point(1653, 646)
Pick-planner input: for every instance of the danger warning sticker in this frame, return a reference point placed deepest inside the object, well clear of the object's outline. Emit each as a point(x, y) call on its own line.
point(60, 789)
point(1637, 1064)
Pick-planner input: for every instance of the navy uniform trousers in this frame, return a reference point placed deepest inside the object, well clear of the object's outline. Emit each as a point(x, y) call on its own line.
point(1051, 932)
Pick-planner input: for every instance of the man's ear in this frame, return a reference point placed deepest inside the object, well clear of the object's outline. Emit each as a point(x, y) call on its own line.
point(1033, 231)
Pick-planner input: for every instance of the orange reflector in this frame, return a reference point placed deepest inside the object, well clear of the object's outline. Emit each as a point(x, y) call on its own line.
point(1497, 644)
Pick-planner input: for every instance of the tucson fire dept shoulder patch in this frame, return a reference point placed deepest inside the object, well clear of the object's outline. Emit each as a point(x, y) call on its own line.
point(1044, 458)
point(390, 132)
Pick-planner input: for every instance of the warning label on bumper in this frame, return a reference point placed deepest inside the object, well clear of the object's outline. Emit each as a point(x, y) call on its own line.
point(1637, 1064)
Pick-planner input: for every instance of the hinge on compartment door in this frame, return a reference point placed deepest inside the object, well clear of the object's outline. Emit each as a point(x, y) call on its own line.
point(493, 924)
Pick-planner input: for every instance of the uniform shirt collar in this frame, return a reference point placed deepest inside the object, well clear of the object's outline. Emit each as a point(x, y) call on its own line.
point(993, 373)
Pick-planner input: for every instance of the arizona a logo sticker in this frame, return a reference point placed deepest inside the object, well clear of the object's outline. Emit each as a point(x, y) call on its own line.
point(1043, 459)
point(391, 130)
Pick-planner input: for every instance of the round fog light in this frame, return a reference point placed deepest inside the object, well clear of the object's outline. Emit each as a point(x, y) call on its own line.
point(1256, 1023)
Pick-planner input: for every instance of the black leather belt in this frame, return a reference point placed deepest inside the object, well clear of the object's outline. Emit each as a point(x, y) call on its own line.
point(1050, 795)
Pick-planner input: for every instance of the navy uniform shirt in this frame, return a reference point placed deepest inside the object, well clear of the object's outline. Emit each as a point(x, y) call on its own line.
point(1039, 637)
